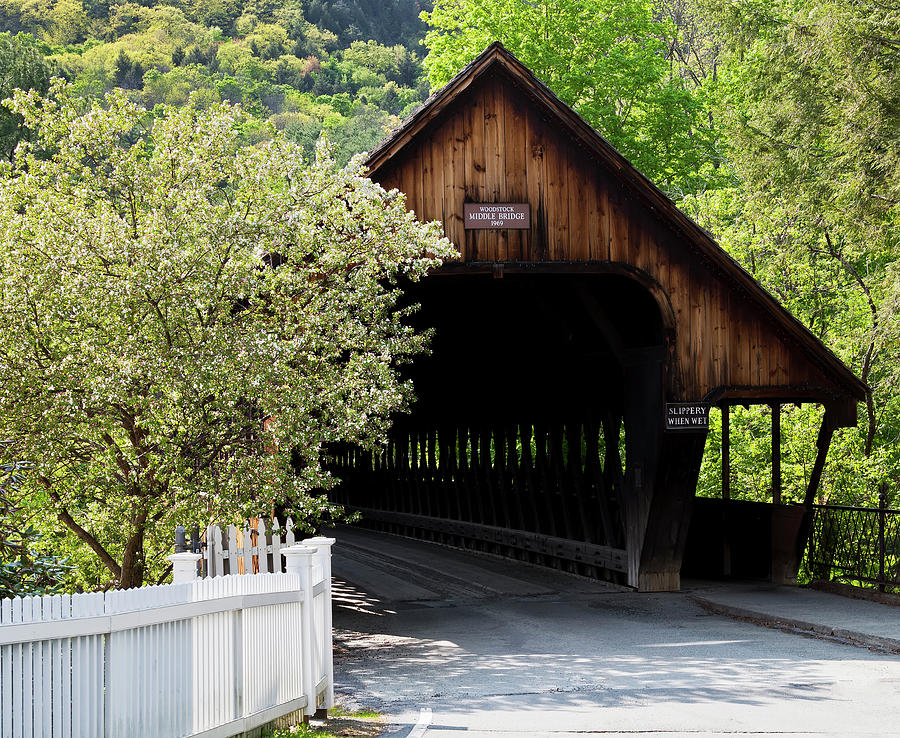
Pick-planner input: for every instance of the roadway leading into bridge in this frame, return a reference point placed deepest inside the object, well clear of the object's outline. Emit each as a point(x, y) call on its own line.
point(448, 643)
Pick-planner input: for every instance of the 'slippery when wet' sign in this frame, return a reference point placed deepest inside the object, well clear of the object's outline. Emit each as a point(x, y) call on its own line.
point(687, 416)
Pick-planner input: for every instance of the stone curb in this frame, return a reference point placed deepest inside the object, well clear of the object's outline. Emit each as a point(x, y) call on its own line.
point(853, 637)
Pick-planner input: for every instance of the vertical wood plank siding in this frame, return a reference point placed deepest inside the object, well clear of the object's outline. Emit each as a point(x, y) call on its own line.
point(497, 147)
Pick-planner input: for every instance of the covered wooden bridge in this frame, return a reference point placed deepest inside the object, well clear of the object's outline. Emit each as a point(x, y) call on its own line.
point(579, 342)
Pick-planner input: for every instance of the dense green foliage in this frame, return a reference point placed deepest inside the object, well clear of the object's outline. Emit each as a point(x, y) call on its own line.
point(350, 68)
point(806, 98)
point(24, 67)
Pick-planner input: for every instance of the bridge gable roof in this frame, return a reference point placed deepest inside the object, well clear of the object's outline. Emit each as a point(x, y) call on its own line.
point(574, 178)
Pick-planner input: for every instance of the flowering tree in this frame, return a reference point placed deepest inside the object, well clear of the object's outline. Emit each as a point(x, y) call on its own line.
point(183, 314)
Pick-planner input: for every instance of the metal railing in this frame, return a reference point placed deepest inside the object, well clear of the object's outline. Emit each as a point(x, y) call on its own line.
point(855, 545)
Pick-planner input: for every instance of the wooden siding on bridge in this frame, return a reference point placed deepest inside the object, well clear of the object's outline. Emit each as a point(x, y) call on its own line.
point(494, 145)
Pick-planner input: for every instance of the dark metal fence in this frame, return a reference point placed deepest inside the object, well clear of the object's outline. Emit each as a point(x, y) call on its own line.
point(856, 545)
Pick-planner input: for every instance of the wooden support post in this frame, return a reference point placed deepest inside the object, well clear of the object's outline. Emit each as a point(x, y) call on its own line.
point(826, 431)
point(776, 453)
point(726, 485)
point(726, 453)
point(822, 444)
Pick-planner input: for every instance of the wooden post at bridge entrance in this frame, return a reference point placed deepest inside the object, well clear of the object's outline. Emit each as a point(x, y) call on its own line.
point(776, 453)
point(726, 452)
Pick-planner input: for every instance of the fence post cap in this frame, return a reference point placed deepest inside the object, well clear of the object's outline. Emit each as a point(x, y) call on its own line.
point(184, 566)
point(299, 549)
point(318, 541)
point(185, 556)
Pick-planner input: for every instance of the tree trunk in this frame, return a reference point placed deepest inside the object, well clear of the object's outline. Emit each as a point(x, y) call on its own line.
point(133, 556)
point(870, 350)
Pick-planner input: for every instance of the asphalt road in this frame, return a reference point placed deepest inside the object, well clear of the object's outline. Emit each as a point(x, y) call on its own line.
point(447, 643)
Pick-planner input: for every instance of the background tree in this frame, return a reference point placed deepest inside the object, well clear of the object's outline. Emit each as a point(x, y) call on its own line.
point(608, 59)
point(806, 98)
point(185, 314)
point(22, 66)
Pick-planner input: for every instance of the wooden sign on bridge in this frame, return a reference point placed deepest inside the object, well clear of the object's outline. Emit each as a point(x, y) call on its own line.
point(496, 215)
point(687, 416)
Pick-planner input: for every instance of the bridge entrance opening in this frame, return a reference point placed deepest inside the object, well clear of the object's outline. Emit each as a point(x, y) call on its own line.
point(531, 420)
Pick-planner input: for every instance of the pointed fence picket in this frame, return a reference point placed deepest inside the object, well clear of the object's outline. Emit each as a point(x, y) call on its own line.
point(217, 656)
point(252, 549)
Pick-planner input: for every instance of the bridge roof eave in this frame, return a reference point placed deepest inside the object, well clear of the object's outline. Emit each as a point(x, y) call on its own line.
point(841, 407)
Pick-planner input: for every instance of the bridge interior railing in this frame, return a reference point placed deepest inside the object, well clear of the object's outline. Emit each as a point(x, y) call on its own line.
point(549, 492)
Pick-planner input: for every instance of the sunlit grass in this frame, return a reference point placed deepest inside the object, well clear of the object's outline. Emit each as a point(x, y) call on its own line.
point(341, 723)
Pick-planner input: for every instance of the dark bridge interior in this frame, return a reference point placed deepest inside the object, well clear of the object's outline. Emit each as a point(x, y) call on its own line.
point(528, 347)
point(516, 443)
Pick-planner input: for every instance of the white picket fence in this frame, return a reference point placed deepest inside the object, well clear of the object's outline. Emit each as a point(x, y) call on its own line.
point(247, 550)
point(201, 657)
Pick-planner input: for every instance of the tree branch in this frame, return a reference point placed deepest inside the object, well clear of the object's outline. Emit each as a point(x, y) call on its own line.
point(121, 461)
point(63, 514)
point(159, 315)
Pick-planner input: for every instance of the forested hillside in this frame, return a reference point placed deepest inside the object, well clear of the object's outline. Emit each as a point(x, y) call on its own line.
point(350, 68)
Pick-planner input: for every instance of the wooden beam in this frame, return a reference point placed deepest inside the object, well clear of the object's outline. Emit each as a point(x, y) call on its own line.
point(726, 453)
point(603, 557)
point(822, 443)
point(826, 431)
point(776, 453)
point(601, 321)
point(670, 505)
point(784, 393)
point(842, 414)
